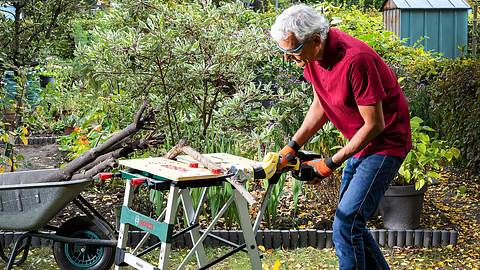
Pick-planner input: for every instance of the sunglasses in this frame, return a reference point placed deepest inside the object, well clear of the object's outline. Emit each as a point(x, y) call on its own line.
point(296, 50)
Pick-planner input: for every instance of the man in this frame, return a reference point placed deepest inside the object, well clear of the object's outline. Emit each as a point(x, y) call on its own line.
point(360, 95)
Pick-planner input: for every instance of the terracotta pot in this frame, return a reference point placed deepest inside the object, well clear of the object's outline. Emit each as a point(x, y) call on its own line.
point(68, 130)
point(9, 117)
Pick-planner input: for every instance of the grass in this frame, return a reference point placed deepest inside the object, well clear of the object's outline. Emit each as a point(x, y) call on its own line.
point(304, 258)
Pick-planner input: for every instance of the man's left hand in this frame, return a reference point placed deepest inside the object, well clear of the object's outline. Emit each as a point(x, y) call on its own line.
point(321, 167)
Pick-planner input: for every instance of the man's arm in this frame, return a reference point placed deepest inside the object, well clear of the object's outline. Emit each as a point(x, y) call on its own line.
point(373, 126)
point(314, 120)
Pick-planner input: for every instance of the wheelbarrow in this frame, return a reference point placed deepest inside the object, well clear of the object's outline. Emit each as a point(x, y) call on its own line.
point(26, 207)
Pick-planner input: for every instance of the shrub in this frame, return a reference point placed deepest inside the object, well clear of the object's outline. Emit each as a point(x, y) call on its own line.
point(422, 163)
point(454, 107)
point(186, 57)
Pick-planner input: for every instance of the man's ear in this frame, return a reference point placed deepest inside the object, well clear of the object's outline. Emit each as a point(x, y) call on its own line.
point(317, 38)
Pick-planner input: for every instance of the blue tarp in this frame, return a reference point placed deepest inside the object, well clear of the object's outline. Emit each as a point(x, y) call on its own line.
point(33, 88)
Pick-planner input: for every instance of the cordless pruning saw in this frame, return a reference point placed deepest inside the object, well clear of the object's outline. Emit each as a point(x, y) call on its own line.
point(269, 167)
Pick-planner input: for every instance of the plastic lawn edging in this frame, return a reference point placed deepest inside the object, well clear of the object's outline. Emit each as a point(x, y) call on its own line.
point(290, 239)
point(45, 140)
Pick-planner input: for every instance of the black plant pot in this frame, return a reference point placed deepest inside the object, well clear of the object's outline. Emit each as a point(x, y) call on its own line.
point(401, 207)
point(45, 80)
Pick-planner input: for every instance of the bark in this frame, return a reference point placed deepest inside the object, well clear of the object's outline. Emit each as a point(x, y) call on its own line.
point(176, 150)
point(142, 120)
point(108, 160)
point(183, 146)
point(128, 148)
point(201, 158)
point(100, 167)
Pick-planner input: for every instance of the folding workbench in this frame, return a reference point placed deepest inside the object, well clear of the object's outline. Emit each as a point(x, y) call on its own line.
point(179, 177)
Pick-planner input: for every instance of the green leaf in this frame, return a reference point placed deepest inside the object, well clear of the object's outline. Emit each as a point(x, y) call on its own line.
point(434, 175)
point(422, 148)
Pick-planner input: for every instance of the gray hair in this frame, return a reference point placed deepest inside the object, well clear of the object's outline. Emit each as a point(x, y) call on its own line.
point(302, 20)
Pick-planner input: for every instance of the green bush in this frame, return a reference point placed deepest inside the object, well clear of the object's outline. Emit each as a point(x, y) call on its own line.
point(422, 163)
point(187, 58)
point(454, 107)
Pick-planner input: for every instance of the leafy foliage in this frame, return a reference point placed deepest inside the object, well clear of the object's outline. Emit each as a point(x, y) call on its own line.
point(186, 57)
point(38, 29)
point(424, 160)
point(454, 107)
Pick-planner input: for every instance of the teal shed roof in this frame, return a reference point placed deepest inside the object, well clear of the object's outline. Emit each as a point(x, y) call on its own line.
point(424, 4)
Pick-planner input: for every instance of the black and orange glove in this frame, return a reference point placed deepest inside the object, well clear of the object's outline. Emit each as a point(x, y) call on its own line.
point(318, 169)
point(288, 153)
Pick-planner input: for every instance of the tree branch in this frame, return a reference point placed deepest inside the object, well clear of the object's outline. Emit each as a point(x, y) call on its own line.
point(89, 156)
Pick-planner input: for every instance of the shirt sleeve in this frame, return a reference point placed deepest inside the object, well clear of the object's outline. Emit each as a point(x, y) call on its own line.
point(306, 73)
point(365, 80)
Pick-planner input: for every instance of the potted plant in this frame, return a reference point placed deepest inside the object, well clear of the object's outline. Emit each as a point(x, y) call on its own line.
point(46, 78)
point(403, 202)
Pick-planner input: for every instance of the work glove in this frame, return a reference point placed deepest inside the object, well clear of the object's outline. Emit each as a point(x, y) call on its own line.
point(317, 169)
point(288, 153)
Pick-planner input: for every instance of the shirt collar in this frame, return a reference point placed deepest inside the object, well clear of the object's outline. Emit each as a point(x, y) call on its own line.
point(334, 50)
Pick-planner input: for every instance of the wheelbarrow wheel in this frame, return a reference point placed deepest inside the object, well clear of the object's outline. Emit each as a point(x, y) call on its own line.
point(70, 256)
point(6, 251)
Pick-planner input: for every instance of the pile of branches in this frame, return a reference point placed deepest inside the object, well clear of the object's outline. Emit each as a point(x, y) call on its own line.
point(104, 156)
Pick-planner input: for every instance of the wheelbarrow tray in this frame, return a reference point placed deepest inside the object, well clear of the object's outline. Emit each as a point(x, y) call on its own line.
point(27, 204)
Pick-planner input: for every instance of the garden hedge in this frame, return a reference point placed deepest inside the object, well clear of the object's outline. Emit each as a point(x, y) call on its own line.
point(454, 107)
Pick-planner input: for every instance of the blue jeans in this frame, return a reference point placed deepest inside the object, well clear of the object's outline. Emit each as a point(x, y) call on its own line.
point(364, 182)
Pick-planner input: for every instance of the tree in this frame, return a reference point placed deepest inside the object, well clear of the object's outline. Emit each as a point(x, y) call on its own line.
point(190, 55)
point(38, 29)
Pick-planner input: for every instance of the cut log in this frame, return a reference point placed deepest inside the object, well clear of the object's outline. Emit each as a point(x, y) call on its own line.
point(176, 150)
point(183, 146)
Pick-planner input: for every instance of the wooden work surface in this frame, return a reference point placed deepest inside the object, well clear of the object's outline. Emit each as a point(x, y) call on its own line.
point(180, 169)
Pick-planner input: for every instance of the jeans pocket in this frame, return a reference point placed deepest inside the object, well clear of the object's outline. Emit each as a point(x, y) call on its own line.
point(392, 164)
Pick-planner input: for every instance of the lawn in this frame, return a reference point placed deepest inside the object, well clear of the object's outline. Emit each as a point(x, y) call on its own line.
point(304, 258)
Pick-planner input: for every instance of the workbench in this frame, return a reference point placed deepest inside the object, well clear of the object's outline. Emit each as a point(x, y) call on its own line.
point(178, 177)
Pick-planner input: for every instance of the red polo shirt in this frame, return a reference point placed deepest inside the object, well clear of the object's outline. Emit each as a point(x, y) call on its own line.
point(353, 74)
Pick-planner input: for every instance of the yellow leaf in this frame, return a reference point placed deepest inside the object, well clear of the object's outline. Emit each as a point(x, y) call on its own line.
point(276, 265)
point(2, 169)
point(24, 140)
point(5, 137)
point(24, 131)
point(261, 248)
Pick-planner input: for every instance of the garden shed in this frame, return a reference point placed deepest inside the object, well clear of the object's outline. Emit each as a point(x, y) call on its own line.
point(441, 25)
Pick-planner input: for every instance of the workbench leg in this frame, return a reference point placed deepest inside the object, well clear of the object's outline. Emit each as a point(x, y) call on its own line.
point(123, 231)
point(194, 233)
point(263, 207)
point(170, 216)
point(248, 234)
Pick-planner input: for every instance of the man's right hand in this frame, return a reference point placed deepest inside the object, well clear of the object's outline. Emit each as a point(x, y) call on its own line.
point(289, 152)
